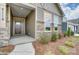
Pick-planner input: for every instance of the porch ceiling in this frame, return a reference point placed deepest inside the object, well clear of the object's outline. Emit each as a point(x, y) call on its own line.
point(20, 10)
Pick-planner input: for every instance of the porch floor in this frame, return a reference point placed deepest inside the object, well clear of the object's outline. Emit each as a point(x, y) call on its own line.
point(17, 40)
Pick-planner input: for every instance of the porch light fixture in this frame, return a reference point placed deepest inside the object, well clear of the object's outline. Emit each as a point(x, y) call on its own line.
point(21, 8)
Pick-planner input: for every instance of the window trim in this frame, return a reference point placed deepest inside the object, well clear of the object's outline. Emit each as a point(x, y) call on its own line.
point(2, 13)
point(57, 24)
point(45, 21)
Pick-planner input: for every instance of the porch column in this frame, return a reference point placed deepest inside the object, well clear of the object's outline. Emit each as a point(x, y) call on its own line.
point(3, 27)
point(8, 20)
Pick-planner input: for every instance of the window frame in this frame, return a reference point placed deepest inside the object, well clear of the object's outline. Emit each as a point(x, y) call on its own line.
point(45, 21)
point(55, 23)
point(2, 13)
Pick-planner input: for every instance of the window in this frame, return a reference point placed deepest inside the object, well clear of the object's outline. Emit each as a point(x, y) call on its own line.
point(47, 19)
point(1, 13)
point(56, 22)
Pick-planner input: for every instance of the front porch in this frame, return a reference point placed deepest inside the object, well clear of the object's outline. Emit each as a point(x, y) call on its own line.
point(18, 40)
point(20, 29)
point(21, 20)
point(20, 23)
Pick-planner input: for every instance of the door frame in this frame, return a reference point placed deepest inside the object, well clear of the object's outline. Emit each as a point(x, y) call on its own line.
point(18, 19)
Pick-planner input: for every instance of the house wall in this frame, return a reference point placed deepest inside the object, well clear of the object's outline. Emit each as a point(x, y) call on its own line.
point(5, 25)
point(9, 18)
point(30, 24)
point(48, 6)
point(2, 22)
point(11, 24)
point(5, 33)
point(40, 18)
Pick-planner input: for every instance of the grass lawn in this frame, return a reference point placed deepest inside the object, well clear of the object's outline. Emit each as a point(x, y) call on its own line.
point(67, 45)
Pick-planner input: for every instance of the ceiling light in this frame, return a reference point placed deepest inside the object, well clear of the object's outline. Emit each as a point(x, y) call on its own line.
point(21, 8)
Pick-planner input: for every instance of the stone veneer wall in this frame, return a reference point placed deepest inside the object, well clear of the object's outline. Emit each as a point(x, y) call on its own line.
point(30, 24)
point(40, 19)
point(3, 27)
point(60, 25)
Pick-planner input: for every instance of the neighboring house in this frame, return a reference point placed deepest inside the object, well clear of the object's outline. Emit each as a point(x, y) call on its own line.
point(74, 25)
point(31, 19)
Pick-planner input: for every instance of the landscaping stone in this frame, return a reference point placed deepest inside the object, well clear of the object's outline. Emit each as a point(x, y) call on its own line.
point(48, 53)
point(52, 47)
point(63, 49)
point(73, 51)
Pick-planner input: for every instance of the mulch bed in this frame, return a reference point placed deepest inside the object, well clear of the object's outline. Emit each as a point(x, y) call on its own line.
point(7, 49)
point(40, 49)
point(75, 50)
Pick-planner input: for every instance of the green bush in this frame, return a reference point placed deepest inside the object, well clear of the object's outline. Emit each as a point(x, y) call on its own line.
point(69, 32)
point(44, 39)
point(56, 28)
point(54, 37)
point(63, 49)
point(69, 43)
point(65, 34)
point(72, 33)
point(59, 36)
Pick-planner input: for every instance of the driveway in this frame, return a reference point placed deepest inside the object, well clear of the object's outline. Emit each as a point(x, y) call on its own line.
point(23, 45)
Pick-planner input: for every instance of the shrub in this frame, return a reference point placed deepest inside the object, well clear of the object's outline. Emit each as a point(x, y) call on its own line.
point(70, 40)
point(59, 36)
point(72, 33)
point(63, 49)
point(69, 43)
point(65, 34)
point(68, 32)
point(54, 37)
point(44, 39)
point(56, 28)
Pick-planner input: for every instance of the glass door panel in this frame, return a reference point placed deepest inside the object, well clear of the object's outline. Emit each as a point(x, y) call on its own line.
point(17, 27)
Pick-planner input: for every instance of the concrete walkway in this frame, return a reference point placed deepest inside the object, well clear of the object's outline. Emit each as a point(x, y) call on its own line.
point(23, 49)
point(23, 45)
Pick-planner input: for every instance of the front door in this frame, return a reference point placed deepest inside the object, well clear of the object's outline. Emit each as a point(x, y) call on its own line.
point(18, 26)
